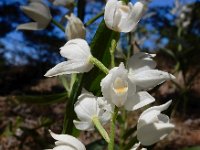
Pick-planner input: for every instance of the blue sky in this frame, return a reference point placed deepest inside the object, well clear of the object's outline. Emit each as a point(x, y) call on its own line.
point(93, 8)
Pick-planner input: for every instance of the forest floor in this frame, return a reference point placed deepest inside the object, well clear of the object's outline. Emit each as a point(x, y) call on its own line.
point(25, 126)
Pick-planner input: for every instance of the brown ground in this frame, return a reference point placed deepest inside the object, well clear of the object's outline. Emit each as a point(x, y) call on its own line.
point(20, 124)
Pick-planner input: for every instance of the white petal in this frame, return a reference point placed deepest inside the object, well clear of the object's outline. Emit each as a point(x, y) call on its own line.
point(106, 110)
point(86, 107)
point(68, 140)
point(119, 72)
point(140, 61)
point(153, 132)
point(105, 86)
point(150, 78)
point(81, 125)
point(76, 49)
point(109, 13)
point(131, 88)
point(138, 100)
point(30, 26)
point(116, 21)
point(68, 67)
point(135, 15)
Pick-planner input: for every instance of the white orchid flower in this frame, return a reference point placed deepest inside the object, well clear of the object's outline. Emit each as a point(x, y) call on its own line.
point(142, 71)
point(65, 3)
point(39, 12)
point(117, 88)
point(87, 108)
point(66, 142)
point(123, 87)
point(121, 17)
point(153, 126)
point(74, 28)
point(77, 52)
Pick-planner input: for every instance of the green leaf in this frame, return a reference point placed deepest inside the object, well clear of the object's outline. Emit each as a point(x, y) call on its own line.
point(192, 148)
point(97, 145)
point(131, 143)
point(69, 110)
point(95, 83)
point(42, 99)
point(8, 131)
point(100, 49)
point(65, 82)
point(129, 132)
point(169, 53)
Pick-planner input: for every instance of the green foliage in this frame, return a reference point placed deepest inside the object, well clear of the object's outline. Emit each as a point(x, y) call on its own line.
point(97, 145)
point(192, 148)
point(43, 99)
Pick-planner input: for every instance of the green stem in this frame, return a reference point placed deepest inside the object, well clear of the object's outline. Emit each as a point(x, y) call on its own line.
point(123, 127)
point(98, 64)
point(69, 109)
point(179, 36)
point(58, 25)
point(113, 48)
point(130, 47)
point(100, 128)
point(112, 129)
point(94, 19)
point(63, 80)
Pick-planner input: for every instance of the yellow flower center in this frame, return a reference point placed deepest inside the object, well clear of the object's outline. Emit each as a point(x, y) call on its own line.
point(120, 86)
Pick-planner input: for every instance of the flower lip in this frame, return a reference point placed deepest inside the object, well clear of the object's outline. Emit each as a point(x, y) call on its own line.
point(120, 86)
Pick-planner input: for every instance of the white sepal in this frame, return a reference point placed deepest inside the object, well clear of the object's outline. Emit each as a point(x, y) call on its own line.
point(142, 71)
point(150, 78)
point(140, 62)
point(64, 141)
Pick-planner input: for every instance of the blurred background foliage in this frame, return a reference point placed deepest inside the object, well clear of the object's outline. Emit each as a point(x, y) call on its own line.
point(168, 30)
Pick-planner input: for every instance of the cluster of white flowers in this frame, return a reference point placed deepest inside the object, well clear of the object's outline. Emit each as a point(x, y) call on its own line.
point(182, 13)
point(121, 87)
